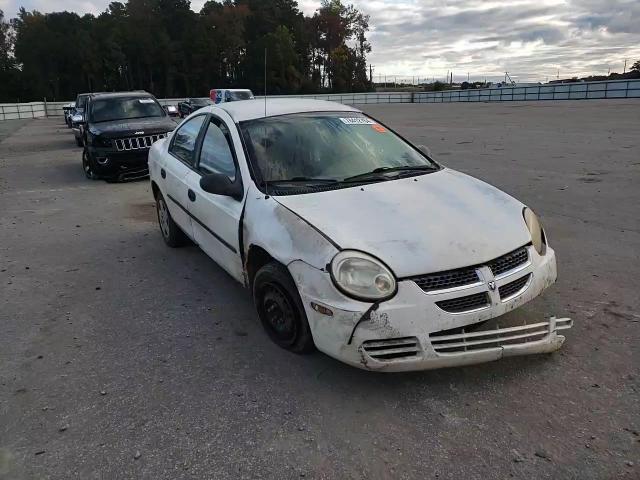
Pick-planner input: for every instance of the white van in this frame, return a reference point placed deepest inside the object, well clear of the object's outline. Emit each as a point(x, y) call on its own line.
point(222, 95)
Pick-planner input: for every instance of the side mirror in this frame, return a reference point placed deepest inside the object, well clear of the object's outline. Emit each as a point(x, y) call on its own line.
point(426, 150)
point(219, 184)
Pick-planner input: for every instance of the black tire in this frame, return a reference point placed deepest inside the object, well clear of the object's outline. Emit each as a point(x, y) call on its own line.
point(171, 232)
point(88, 166)
point(280, 309)
point(79, 142)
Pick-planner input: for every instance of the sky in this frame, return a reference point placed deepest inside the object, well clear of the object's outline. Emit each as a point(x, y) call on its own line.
point(533, 40)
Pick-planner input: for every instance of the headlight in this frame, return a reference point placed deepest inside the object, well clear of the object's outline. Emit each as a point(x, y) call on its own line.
point(535, 228)
point(98, 141)
point(362, 276)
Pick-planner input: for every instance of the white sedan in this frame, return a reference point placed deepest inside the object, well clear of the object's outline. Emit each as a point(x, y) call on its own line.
point(352, 240)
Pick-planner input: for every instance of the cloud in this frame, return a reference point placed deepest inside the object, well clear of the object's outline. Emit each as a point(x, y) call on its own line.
point(531, 39)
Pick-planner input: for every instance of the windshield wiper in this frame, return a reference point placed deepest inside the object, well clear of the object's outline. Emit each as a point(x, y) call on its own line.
point(376, 172)
point(126, 118)
point(303, 180)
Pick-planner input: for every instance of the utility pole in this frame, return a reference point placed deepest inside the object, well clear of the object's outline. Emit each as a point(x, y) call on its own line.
point(467, 77)
point(624, 70)
point(370, 73)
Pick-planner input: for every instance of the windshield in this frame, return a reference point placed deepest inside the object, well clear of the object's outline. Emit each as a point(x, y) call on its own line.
point(242, 95)
point(124, 108)
point(327, 146)
point(201, 102)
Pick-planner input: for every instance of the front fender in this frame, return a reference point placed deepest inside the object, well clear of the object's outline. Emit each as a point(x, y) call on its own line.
point(282, 233)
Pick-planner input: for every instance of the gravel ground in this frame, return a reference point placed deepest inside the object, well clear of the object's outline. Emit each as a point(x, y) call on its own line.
point(7, 127)
point(121, 358)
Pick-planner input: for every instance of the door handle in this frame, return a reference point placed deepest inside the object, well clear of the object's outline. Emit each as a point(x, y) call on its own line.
point(192, 195)
point(163, 174)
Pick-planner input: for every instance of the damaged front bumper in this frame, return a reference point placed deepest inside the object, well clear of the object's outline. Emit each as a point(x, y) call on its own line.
point(412, 332)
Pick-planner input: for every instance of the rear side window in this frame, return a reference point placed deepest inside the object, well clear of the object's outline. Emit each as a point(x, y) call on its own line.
point(185, 139)
point(241, 95)
point(81, 101)
point(216, 155)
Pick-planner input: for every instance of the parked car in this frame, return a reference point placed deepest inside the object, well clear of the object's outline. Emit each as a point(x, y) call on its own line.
point(353, 240)
point(120, 129)
point(223, 95)
point(78, 119)
point(190, 105)
point(67, 111)
point(172, 110)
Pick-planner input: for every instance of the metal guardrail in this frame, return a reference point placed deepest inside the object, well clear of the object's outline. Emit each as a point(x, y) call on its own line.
point(558, 91)
point(10, 111)
point(355, 98)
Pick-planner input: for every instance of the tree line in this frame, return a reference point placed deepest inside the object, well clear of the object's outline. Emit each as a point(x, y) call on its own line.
point(164, 47)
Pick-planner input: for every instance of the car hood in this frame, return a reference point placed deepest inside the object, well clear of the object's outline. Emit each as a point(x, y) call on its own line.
point(417, 225)
point(124, 128)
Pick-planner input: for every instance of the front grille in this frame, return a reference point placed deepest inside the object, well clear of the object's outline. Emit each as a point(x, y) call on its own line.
point(465, 304)
point(494, 333)
point(509, 261)
point(392, 349)
point(137, 143)
point(448, 279)
point(514, 287)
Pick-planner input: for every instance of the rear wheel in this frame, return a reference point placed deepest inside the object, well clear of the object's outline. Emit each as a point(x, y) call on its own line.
point(280, 309)
point(87, 166)
point(171, 232)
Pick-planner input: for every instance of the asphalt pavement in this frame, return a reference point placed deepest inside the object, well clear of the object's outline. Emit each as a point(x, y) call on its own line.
point(122, 358)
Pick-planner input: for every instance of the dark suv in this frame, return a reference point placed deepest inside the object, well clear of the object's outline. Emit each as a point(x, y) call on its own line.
point(120, 128)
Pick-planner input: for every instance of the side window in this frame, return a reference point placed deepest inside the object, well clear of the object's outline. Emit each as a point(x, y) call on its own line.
point(184, 140)
point(216, 155)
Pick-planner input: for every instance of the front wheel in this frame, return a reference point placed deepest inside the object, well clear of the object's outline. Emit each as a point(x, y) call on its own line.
point(280, 309)
point(171, 232)
point(87, 166)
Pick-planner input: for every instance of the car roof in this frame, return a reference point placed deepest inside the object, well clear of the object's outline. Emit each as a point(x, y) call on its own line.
point(134, 93)
point(252, 109)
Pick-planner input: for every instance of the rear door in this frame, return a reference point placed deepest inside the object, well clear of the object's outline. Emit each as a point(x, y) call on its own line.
point(182, 150)
point(216, 218)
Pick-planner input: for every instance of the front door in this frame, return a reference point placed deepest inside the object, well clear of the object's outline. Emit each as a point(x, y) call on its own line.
point(216, 218)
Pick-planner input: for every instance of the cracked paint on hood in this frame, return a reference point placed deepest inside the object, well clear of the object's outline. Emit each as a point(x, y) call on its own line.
point(417, 225)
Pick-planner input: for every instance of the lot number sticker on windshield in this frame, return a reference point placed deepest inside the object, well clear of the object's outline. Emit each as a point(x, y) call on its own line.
point(357, 121)
point(146, 100)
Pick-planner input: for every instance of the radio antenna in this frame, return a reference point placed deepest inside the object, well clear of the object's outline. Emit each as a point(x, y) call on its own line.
point(264, 133)
point(265, 82)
